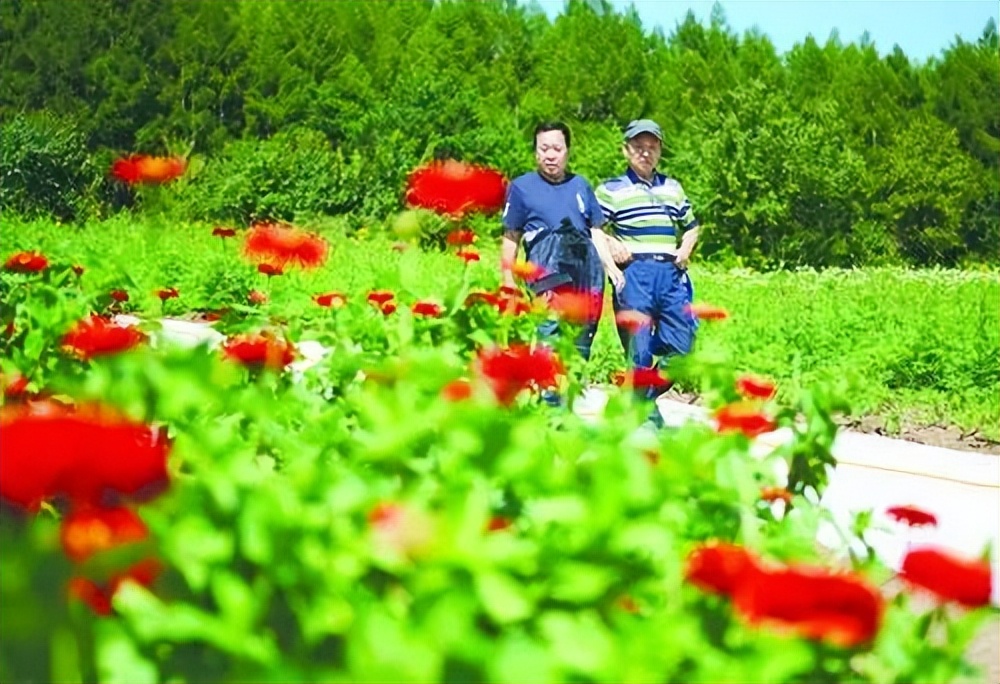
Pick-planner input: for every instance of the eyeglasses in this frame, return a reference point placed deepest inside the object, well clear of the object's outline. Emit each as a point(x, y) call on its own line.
point(649, 151)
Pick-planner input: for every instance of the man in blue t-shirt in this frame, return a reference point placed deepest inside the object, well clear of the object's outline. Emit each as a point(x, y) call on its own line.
point(557, 216)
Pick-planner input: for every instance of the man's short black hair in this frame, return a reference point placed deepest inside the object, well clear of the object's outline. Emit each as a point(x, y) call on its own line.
point(547, 126)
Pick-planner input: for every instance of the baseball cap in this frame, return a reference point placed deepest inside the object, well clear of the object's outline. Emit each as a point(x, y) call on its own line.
point(643, 126)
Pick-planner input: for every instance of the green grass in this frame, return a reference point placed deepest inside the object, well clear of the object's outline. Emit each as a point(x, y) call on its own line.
point(918, 346)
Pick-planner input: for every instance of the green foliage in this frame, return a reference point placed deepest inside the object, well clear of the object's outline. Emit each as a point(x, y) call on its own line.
point(45, 168)
point(295, 173)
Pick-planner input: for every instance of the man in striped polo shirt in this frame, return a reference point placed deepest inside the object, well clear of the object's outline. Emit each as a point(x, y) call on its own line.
point(648, 212)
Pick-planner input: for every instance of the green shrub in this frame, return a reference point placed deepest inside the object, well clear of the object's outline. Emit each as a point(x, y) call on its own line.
point(45, 168)
point(294, 173)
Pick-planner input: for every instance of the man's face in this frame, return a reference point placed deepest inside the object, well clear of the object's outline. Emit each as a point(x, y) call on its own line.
point(643, 154)
point(551, 154)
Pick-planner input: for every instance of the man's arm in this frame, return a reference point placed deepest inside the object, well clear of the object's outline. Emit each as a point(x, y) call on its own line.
point(599, 238)
point(688, 241)
point(508, 254)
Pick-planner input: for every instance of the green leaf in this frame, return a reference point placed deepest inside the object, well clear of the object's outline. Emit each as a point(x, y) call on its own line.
point(504, 599)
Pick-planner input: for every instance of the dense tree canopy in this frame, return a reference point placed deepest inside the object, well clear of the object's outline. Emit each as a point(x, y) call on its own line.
point(828, 155)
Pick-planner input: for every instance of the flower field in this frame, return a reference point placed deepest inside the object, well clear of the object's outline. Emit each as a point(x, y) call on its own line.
point(409, 510)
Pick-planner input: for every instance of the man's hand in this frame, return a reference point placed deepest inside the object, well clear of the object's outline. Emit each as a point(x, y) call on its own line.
point(682, 258)
point(619, 252)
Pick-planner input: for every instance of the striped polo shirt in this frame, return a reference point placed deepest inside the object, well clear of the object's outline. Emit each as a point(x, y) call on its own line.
point(648, 217)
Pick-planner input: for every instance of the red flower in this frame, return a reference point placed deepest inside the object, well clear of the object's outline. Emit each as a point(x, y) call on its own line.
point(284, 245)
point(460, 237)
point(718, 567)
point(456, 188)
point(467, 255)
point(380, 297)
point(388, 308)
point(270, 269)
point(256, 297)
point(457, 390)
point(78, 269)
point(119, 296)
point(577, 307)
point(16, 388)
point(84, 533)
point(527, 271)
point(98, 597)
point(47, 450)
point(259, 350)
point(968, 582)
point(511, 370)
point(223, 233)
point(27, 262)
point(706, 312)
point(144, 169)
point(427, 308)
point(772, 494)
point(644, 377)
point(755, 387)
point(841, 609)
point(745, 417)
point(499, 523)
point(912, 516)
point(633, 321)
point(333, 300)
point(97, 336)
point(167, 293)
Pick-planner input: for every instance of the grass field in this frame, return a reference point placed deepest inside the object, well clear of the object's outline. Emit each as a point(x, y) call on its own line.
point(913, 347)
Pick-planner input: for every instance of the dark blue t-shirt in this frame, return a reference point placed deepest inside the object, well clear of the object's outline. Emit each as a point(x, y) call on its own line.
point(534, 204)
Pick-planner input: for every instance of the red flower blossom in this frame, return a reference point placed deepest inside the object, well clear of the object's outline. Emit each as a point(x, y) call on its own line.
point(499, 523)
point(467, 255)
point(282, 246)
point(333, 300)
point(577, 307)
point(457, 390)
point(483, 296)
point(48, 450)
point(772, 494)
point(912, 516)
point(119, 296)
point(644, 377)
point(755, 387)
point(706, 312)
point(745, 417)
point(633, 321)
point(223, 233)
point(166, 293)
point(259, 350)
point(718, 567)
point(427, 308)
point(257, 297)
point(527, 271)
point(380, 297)
point(270, 269)
point(841, 609)
point(78, 270)
point(511, 370)
point(14, 388)
point(140, 168)
point(968, 582)
point(27, 262)
point(456, 188)
point(461, 237)
point(98, 336)
point(388, 308)
point(98, 596)
point(86, 532)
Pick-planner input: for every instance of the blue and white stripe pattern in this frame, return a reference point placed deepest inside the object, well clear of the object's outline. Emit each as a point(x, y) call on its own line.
point(648, 217)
